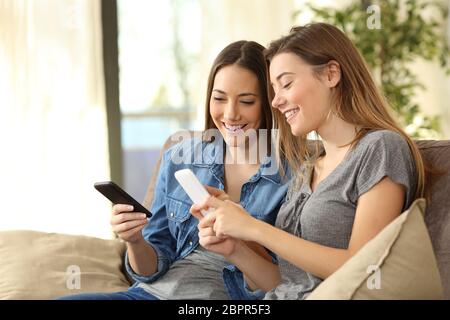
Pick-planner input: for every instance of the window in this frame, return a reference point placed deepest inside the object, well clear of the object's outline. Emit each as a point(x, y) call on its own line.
point(159, 45)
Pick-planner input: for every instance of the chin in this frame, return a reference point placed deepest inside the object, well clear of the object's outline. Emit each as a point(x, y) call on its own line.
point(232, 142)
point(295, 130)
point(299, 131)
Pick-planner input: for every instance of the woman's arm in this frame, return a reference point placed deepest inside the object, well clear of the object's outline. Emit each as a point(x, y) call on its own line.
point(250, 257)
point(128, 226)
point(142, 258)
point(262, 252)
point(375, 210)
point(151, 254)
point(259, 272)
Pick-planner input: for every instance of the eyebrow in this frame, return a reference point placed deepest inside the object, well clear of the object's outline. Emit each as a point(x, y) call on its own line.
point(239, 95)
point(283, 74)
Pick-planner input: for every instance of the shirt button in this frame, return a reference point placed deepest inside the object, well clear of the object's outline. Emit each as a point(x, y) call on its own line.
point(190, 243)
point(172, 214)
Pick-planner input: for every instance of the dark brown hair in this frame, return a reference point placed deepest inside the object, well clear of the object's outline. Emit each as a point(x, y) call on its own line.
point(248, 55)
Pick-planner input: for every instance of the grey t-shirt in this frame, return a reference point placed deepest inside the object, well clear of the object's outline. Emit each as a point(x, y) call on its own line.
point(198, 276)
point(326, 215)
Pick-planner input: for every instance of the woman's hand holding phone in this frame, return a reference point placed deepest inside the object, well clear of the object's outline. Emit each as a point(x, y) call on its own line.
point(127, 224)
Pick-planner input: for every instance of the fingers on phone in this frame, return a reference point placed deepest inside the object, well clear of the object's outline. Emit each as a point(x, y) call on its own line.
point(129, 225)
point(214, 191)
point(130, 233)
point(205, 232)
point(218, 193)
point(119, 208)
point(195, 211)
point(124, 217)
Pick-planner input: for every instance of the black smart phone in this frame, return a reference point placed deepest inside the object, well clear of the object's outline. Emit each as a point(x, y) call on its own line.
point(117, 195)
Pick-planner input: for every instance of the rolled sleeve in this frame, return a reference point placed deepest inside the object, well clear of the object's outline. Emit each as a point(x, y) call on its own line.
point(236, 286)
point(156, 233)
point(257, 294)
point(163, 266)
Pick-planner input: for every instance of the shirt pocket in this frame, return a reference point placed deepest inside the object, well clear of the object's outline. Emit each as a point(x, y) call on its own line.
point(177, 211)
point(179, 220)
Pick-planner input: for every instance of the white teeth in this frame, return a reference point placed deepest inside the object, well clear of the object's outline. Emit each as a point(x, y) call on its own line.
point(290, 113)
point(234, 128)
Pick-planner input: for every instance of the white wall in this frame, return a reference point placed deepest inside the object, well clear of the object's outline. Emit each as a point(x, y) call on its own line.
point(225, 21)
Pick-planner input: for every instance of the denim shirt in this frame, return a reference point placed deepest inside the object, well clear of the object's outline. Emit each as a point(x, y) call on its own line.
point(172, 230)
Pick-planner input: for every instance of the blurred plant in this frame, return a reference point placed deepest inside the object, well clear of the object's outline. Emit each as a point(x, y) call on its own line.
point(405, 32)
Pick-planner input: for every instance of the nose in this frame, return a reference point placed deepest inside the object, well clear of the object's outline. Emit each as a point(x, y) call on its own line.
point(277, 101)
point(231, 111)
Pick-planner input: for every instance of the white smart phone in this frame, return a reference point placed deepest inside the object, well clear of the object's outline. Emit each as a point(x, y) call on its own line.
point(192, 186)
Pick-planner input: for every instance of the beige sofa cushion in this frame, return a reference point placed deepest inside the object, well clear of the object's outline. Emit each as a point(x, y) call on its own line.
point(403, 258)
point(37, 265)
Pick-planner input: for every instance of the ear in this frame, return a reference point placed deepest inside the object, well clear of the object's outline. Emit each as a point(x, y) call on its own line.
point(332, 73)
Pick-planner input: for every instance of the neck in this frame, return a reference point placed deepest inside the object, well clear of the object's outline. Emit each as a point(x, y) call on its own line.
point(335, 134)
point(242, 155)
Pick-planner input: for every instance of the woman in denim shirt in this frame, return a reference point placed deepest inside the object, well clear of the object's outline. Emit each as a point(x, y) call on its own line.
point(163, 254)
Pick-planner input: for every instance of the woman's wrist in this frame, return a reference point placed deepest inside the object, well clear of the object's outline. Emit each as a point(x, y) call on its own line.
point(256, 229)
point(142, 257)
point(136, 243)
point(238, 253)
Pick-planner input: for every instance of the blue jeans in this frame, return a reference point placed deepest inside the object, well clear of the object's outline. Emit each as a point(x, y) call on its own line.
point(134, 293)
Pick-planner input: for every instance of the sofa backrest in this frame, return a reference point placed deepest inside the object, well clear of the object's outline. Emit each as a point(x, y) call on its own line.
point(435, 153)
point(437, 217)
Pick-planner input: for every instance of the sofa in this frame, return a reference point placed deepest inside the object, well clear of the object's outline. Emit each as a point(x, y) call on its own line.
point(38, 265)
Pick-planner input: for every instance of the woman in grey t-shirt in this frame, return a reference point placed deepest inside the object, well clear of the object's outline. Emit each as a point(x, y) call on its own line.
point(365, 173)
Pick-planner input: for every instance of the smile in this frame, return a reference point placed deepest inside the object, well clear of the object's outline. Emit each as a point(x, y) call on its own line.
point(289, 114)
point(233, 128)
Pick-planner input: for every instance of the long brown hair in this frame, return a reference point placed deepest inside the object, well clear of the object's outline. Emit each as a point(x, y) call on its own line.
point(248, 55)
point(355, 99)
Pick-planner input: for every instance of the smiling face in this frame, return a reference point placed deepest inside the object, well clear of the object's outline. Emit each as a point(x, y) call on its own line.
point(235, 104)
point(300, 95)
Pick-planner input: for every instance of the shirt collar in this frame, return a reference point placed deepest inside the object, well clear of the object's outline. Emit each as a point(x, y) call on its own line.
point(213, 157)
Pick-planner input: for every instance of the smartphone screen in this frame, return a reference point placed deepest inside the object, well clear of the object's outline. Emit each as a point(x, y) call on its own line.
point(117, 195)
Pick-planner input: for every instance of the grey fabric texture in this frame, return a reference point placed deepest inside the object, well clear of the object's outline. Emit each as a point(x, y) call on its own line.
point(326, 215)
point(198, 276)
point(437, 216)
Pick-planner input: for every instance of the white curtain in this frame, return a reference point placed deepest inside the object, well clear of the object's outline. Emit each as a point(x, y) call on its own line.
point(225, 21)
point(52, 117)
